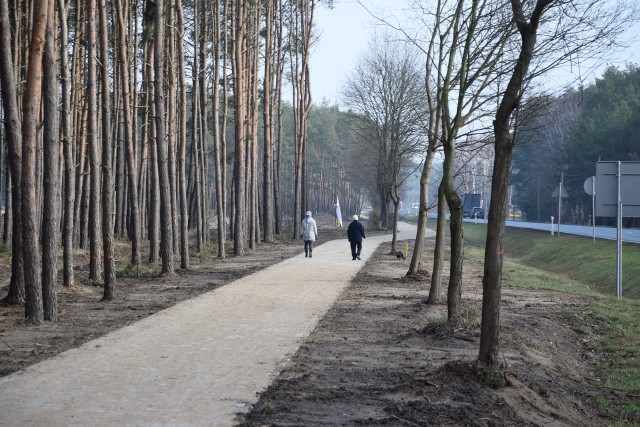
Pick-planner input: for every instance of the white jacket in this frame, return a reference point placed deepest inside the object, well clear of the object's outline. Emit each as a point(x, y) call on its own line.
point(308, 229)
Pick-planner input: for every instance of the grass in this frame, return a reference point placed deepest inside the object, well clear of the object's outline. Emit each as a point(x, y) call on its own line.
point(591, 265)
point(574, 264)
point(129, 270)
point(621, 343)
point(618, 329)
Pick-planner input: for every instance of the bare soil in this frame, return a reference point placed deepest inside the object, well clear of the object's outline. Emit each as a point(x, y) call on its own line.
point(380, 356)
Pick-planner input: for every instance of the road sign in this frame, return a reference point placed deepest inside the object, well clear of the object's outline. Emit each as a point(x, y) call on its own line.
point(617, 186)
point(563, 192)
point(589, 186)
point(607, 189)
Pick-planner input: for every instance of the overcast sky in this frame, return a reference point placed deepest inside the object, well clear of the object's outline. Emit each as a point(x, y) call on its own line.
point(346, 29)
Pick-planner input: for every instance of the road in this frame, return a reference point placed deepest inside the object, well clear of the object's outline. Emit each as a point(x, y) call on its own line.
point(609, 233)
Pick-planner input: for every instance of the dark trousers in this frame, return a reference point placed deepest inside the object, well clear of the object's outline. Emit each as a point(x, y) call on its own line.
point(356, 248)
point(308, 246)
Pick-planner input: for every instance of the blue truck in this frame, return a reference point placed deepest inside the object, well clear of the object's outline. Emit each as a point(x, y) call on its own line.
point(472, 205)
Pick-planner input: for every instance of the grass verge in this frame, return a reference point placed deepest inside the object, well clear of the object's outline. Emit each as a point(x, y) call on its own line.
point(593, 265)
point(532, 261)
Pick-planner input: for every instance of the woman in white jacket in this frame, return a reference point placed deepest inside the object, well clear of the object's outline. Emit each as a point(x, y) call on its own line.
point(308, 233)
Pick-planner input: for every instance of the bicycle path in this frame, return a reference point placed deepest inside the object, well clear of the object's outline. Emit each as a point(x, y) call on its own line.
point(198, 363)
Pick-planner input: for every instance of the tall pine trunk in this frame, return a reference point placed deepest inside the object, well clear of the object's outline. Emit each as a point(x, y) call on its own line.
point(107, 170)
point(51, 173)
point(166, 231)
point(94, 147)
point(69, 173)
point(268, 133)
point(134, 217)
point(29, 203)
point(13, 134)
point(219, 170)
point(182, 145)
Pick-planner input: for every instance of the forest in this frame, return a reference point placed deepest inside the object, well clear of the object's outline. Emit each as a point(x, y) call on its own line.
point(128, 121)
point(166, 124)
point(574, 130)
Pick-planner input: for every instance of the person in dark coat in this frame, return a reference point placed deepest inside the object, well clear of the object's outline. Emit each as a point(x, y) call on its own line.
point(355, 234)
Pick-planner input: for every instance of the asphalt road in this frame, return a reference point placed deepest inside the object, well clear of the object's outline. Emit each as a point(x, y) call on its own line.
point(609, 233)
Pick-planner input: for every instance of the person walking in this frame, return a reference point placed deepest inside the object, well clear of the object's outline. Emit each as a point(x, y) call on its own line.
point(355, 234)
point(308, 233)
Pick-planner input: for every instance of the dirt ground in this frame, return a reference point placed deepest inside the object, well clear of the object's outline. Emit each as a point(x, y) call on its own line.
point(381, 356)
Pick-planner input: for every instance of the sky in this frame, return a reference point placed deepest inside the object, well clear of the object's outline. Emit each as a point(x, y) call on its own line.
point(345, 31)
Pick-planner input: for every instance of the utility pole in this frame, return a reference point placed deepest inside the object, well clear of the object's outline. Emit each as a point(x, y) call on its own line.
point(560, 199)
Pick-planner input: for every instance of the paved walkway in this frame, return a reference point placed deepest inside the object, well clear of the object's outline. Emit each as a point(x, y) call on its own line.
point(197, 363)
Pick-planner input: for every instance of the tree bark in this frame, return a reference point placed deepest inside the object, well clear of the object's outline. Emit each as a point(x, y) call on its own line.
point(166, 230)
point(240, 92)
point(219, 170)
point(268, 132)
point(94, 147)
point(418, 248)
point(12, 125)
point(504, 144)
point(182, 145)
point(69, 164)
point(134, 220)
point(203, 190)
point(278, 96)
point(225, 112)
point(196, 133)
point(171, 125)
point(29, 202)
point(107, 170)
point(153, 176)
point(438, 252)
point(51, 173)
point(454, 293)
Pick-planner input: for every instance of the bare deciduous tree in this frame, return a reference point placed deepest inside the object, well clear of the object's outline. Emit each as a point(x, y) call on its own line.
point(386, 91)
point(550, 32)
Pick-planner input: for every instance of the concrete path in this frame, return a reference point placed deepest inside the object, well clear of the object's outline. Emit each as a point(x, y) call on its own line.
point(195, 364)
